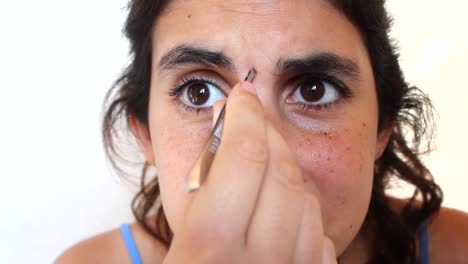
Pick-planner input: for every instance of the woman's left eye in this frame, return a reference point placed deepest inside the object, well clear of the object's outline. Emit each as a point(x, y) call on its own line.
point(315, 93)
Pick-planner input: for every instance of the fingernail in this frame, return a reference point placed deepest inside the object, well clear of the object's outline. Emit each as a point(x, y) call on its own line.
point(248, 86)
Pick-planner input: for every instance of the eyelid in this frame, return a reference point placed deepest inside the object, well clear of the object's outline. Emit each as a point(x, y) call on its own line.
point(176, 91)
point(197, 77)
point(336, 82)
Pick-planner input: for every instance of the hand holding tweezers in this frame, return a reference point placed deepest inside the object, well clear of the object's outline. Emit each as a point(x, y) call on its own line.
point(201, 169)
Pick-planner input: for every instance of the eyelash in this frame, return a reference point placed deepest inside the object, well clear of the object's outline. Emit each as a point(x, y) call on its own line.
point(343, 90)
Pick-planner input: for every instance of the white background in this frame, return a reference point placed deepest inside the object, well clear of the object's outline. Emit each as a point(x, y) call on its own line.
point(57, 60)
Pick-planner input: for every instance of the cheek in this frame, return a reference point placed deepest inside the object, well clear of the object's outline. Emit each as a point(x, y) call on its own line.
point(176, 147)
point(335, 161)
point(338, 166)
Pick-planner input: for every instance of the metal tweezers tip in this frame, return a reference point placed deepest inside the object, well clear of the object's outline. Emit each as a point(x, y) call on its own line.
point(251, 75)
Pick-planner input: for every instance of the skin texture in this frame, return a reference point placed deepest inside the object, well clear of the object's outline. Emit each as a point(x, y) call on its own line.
point(335, 148)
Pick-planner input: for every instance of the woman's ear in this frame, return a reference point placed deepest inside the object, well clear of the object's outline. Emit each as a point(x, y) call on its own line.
point(143, 138)
point(382, 140)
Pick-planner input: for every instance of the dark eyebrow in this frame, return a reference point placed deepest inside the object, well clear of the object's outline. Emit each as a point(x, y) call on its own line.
point(320, 62)
point(193, 54)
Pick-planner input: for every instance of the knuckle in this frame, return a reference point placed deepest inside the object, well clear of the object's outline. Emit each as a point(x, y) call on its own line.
point(274, 256)
point(290, 175)
point(252, 149)
point(209, 244)
point(313, 202)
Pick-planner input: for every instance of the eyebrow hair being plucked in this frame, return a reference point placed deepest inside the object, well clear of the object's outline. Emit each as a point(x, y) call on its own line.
point(193, 54)
point(320, 62)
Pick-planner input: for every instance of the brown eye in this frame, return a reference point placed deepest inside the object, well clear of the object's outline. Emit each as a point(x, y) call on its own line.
point(198, 93)
point(312, 91)
point(315, 92)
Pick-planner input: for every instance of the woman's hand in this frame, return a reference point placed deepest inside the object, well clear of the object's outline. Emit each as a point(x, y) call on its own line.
point(253, 207)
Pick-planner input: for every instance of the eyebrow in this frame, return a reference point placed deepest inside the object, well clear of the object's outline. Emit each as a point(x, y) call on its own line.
point(328, 62)
point(320, 62)
point(194, 54)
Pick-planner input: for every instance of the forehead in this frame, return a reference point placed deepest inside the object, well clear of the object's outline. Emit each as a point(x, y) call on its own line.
point(251, 29)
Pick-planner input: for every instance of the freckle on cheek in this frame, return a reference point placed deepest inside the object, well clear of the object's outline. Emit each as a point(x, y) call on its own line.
point(327, 135)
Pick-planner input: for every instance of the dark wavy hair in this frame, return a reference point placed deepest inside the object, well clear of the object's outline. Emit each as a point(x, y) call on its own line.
point(403, 107)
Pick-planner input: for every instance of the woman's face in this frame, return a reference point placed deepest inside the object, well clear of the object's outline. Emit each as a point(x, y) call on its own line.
point(314, 80)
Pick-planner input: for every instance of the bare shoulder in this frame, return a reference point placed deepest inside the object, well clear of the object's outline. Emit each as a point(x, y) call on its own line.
point(448, 236)
point(109, 247)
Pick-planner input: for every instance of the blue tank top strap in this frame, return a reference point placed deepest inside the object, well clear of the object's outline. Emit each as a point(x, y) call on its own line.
point(130, 243)
point(424, 242)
